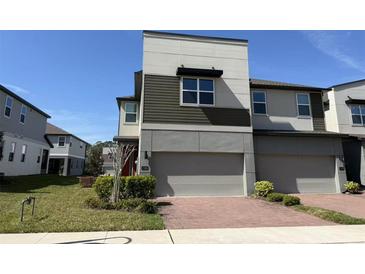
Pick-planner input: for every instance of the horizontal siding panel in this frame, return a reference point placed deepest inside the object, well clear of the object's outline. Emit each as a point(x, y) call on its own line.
point(162, 105)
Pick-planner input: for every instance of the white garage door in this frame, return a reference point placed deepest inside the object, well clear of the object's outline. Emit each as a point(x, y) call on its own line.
point(197, 174)
point(297, 174)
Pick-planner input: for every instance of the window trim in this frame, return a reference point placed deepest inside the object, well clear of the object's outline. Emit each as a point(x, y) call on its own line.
point(64, 142)
point(21, 113)
point(197, 91)
point(253, 103)
point(352, 121)
point(125, 114)
point(12, 152)
point(11, 107)
point(309, 105)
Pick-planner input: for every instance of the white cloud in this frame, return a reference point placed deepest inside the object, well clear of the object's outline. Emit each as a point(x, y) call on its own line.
point(17, 89)
point(333, 45)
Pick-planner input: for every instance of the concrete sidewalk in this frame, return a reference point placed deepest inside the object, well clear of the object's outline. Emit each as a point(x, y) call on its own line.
point(261, 235)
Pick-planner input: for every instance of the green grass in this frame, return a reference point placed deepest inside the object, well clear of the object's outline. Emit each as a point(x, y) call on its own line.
point(60, 208)
point(330, 215)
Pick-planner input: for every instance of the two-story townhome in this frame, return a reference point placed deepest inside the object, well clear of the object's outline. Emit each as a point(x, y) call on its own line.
point(345, 113)
point(24, 148)
point(190, 116)
point(67, 157)
point(292, 147)
point(202, 127)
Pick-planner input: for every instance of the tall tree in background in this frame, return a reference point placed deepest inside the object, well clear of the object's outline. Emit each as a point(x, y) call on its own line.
point(94, 159)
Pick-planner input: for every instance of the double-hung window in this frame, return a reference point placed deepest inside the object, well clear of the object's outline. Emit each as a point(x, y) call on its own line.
point(8, 106)
point(61, 141)
point(130, 113)
point(24, 151)
point(12, 151)
point(358, 114)
point(259, 102)
point(197, 91)
point(303, 104)
point(23, 113)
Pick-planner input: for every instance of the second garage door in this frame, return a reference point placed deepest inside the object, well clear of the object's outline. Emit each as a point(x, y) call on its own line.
point(297, 174)
point(197, 174)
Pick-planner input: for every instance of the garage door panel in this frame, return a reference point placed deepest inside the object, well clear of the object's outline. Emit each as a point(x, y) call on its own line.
point(198, 174)
point(298, 174)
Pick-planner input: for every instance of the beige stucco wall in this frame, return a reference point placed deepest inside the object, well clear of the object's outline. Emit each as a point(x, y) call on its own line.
point(126, 129)
point(330, 115)
point(281, 107)
point(163, 54)
point(344, 119)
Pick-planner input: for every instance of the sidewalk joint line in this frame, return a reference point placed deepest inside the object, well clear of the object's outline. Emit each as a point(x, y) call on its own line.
point(172, 240)
point(42, 238)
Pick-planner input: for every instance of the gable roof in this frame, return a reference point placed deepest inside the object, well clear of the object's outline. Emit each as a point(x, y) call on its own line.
point(259, 83)
point(54, 130)
point(20, 99)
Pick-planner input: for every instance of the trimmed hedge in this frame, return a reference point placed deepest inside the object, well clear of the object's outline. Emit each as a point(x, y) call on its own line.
point(103, 187)
point(131, 205)
point(138, 187)
point(130, 187)
point(275, 197)
point(290, 200)
point(263, 188)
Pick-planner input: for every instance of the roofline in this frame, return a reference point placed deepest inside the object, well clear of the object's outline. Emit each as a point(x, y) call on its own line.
point(347, 83)
point(127, 99)
point(195, 36)
point(67, 134)
point(288, 87)
point(12, 94)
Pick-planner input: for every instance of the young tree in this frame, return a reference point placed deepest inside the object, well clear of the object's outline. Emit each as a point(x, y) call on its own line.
point(120, 153)
point(94, 160)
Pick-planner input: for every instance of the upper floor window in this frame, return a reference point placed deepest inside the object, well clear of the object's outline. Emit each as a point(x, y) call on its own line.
point(130, 113)
point(23, 113)
point(196, 91)
point(61, 141)
point(8, 106)
point(24, 151)
point(358, 114)
point(81, 145)
point(259, 102)
point(303, 104)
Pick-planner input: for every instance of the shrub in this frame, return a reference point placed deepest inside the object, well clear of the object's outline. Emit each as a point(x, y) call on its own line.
point(275, 197)
point(94, 202)
point(138, 187)
point(263, 188)
point(103, 187)
point(289, 200)
point(131, 205)
point(352, 187)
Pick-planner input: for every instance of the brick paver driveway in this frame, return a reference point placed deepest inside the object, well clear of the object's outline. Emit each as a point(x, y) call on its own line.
point(230, 212)
point(353, 205)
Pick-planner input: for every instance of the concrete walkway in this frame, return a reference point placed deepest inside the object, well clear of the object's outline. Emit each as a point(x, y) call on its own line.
point(261, 235)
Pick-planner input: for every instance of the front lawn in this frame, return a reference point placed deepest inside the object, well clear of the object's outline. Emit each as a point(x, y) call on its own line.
point(60, 208)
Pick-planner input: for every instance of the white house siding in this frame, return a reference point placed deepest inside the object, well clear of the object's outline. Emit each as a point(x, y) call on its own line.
point(30, 165)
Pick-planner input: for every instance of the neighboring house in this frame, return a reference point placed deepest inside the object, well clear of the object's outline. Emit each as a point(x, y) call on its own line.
point(345, 113)
point(24, 149)
point(108, 162)
point(292, 147)
point(67, 157)
point(202, 127)
point(190, 115)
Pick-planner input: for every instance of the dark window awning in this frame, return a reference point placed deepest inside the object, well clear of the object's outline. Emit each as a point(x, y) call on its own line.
point(355, 101)
point(199, 72)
